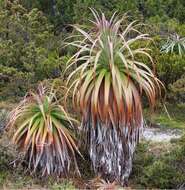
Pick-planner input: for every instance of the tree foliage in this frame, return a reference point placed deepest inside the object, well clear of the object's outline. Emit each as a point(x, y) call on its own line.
point(28, 49)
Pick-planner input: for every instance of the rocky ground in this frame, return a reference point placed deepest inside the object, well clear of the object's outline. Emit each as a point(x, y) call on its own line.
point(161, 134)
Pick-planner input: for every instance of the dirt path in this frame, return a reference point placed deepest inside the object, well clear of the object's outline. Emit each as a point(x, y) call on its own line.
point(161, 134)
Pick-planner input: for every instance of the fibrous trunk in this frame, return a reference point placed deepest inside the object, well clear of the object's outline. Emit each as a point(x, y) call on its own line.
point(111, 149)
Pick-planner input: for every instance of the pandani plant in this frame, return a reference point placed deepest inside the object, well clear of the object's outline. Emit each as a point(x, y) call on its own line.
point(45, 133)
point(109, 80)
point(174, 43)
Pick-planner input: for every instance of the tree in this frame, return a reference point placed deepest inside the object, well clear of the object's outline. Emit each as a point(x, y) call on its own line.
point(110, 78)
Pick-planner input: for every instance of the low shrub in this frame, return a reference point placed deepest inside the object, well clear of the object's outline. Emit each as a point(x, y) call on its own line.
point(177, 90)
point(163, 171)
point(170, 67)
point(3, 118)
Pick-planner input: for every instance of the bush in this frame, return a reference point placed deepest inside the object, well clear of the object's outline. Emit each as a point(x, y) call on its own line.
point(170, 67)
point(7, 155)
point(161, 175)
point(178, 90)
point(3, 118)
point(163, 171)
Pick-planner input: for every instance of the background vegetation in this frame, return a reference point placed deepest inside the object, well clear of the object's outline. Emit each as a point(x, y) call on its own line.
point(32, 35)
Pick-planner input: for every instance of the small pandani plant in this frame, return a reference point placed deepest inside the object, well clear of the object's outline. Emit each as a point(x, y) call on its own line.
point(174, 44)
point(110, 80)
point(44, 132)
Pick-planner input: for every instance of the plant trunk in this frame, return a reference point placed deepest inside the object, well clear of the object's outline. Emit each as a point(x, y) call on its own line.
point(111, 149)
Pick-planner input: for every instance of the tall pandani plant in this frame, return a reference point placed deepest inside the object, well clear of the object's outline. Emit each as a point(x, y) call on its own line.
point(44, 132)
point(110, 80)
